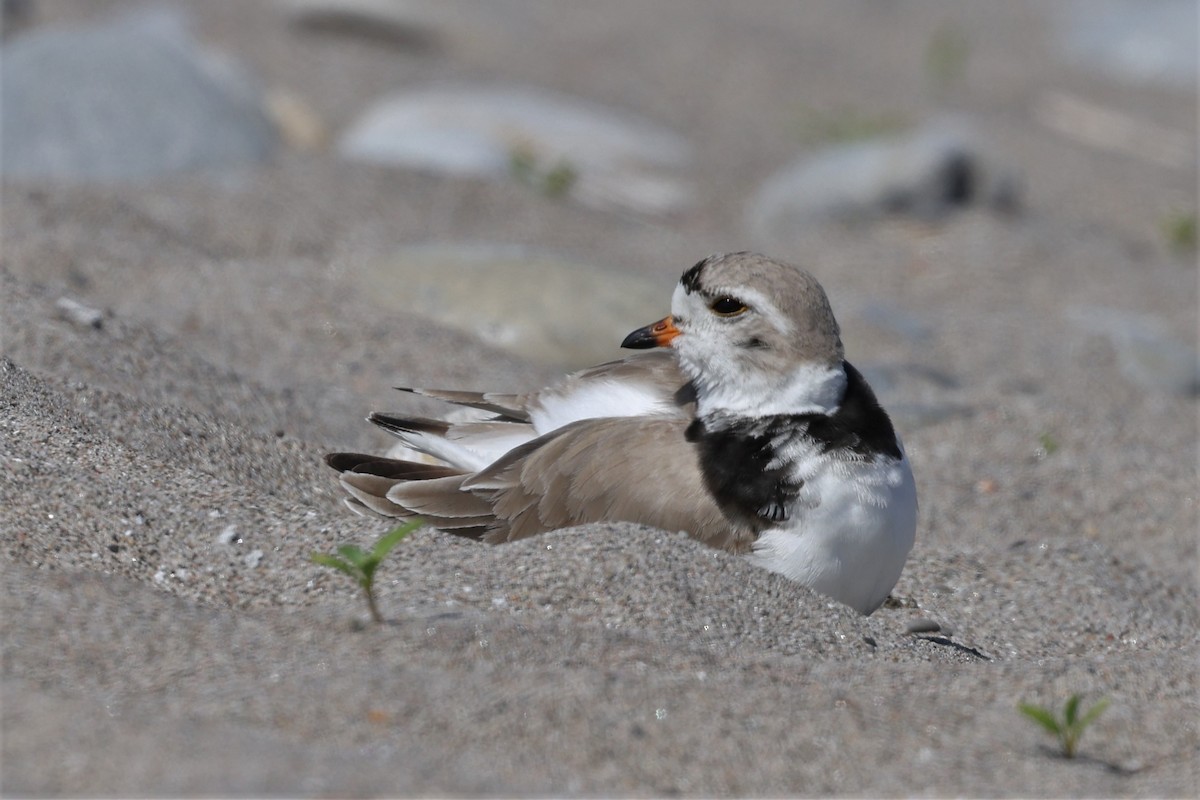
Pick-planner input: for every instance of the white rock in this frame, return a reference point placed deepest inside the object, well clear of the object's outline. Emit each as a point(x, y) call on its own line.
point(79, 314)
point(619, 160)
point(574, 315)
point(926, 173)
point(1146, 355)
point(1148, 41)
point(127, 99)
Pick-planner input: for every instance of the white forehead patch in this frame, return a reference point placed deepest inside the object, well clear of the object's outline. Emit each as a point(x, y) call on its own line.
point(678, 299)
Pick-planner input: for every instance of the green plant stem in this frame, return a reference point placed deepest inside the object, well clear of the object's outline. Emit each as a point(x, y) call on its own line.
point(375, 615)
point(361, 565)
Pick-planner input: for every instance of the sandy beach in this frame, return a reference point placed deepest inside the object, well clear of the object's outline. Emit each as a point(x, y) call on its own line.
point(161, 477)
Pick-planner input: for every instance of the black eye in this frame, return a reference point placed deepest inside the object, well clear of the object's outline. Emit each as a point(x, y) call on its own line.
point(727, 306)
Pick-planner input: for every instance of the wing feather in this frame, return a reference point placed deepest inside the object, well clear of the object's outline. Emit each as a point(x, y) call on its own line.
point(603, 444)
point(616, 469)
point(510, 406)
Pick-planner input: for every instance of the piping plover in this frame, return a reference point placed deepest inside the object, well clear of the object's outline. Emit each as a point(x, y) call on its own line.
point(748, 429)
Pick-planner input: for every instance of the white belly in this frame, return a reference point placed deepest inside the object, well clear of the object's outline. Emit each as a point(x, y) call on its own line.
point(849, 533)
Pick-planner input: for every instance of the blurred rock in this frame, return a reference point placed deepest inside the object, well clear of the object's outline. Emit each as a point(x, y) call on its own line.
point(1146, 356)
point(1151, 41)
point(607, 158)
point(406, 23)
point(132, 98)
point(79, 314)
point(575, 317)
point(926, 174)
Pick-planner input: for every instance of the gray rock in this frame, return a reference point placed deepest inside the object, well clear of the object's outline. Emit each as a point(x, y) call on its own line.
point(133, 98)
point(79, 314)
point(1151, 41)
point(615, 159)
point(1145, 354)
point(927, 174)
point(228, 535)
point(576, 316)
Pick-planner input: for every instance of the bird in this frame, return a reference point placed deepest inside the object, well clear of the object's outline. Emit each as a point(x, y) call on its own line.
point(738, 421)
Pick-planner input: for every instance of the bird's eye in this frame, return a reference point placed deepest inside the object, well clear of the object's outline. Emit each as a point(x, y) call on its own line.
point(727, 306)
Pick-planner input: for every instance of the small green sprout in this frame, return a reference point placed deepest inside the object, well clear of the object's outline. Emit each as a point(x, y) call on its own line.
point(1070, 727)
point(1179, 229)
point(1048, 445)
point(554, 181)
point(361, 564)
point(559, 180)
point(946, 56)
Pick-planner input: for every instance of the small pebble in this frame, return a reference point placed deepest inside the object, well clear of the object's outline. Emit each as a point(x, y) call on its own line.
point(253, 558)
point(79, 314)
point(228, 535)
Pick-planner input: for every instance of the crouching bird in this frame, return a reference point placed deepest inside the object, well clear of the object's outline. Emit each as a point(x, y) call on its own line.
point(743, 425)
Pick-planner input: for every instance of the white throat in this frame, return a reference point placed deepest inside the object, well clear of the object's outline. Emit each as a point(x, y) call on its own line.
point(808, 389)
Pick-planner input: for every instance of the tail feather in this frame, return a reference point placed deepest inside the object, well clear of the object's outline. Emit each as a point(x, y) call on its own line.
point(388, 467)
point(364, 491)
point(508, 406)
point(404, 426)
point(464, 445)
point(373, 485)
point(360, 508)
point(393, 488)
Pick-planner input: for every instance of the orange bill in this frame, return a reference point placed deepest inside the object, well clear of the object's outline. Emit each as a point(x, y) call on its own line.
point(658, 334)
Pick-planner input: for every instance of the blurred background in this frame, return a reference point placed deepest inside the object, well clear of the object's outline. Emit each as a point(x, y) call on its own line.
point(535, 175)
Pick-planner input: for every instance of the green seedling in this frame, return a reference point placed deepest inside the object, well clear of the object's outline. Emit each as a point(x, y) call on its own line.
point(1070, 727)
point(554, 181)
point(946, 56)
point(558, 181)
point(361, 564)
point(1048, 444)
point(1179, 229)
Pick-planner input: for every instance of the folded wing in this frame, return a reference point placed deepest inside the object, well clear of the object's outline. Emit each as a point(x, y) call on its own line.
point(638, 469)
